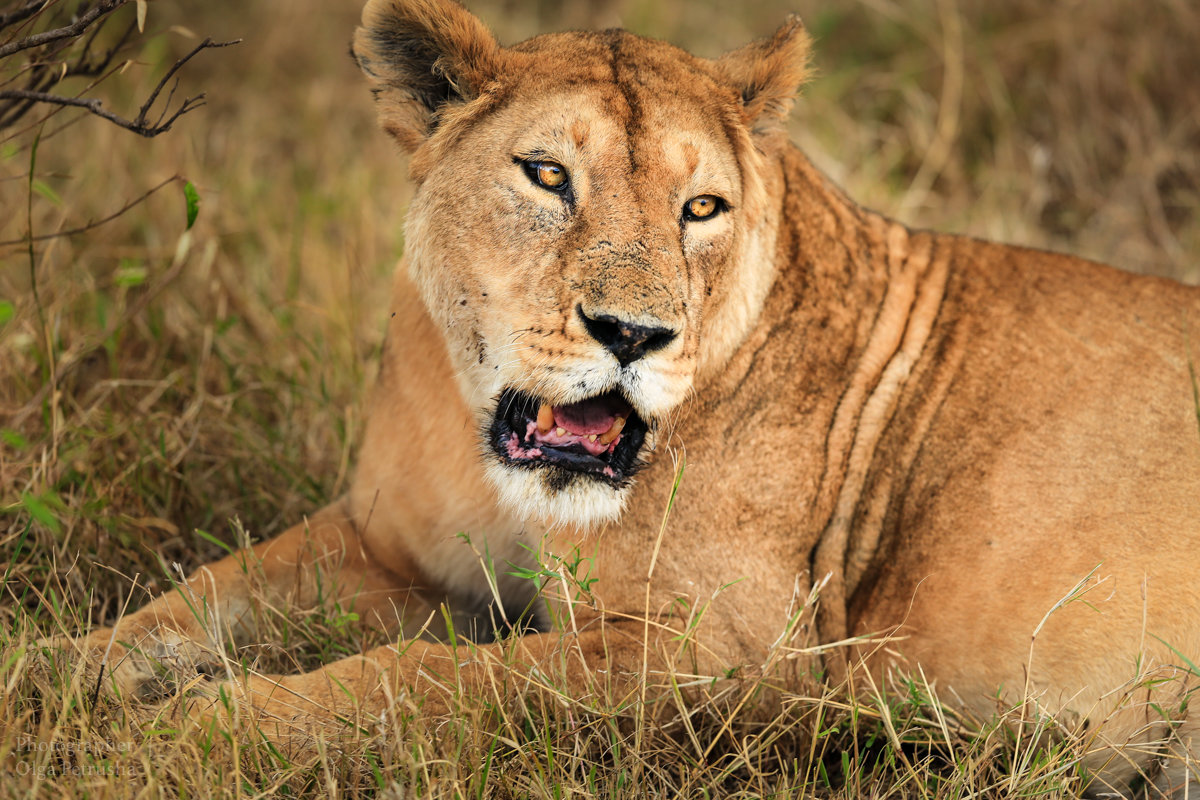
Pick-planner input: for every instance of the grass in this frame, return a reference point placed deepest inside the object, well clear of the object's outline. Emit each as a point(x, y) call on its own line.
point(162, 389)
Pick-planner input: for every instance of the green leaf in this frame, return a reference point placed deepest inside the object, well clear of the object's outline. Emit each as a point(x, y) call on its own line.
point(12, 659)
point(7, 311)
point(13, 439)
point(1191, 372)
point(166, 733)
point(130, 275)
point(1187, 661)
point(45, 191)
point(192, 198)
point(208, 537)
point(40, 512)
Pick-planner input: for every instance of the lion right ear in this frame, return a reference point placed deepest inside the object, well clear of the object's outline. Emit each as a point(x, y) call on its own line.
point(768, 73)
point(422, 56)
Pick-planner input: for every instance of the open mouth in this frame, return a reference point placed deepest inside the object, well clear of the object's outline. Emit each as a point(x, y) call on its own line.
point(600, 436)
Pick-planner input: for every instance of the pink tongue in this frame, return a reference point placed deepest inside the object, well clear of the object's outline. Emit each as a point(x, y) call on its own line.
point(585, 418)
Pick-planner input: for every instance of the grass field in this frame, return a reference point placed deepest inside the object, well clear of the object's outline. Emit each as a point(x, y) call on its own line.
point(159, 383)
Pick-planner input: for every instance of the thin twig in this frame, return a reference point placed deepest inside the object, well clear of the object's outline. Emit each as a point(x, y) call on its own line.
point(205, 45)
point(66, 32)
point(99, 80)
point(20, 14)
point(138, 125)
point(96, 107)
point(96, 223)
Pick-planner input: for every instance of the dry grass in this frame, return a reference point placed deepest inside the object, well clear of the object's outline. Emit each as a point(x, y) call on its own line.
point(160, 383)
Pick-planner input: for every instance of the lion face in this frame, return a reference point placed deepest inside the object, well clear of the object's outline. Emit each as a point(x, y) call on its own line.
point(585, 230)
point(573, 294)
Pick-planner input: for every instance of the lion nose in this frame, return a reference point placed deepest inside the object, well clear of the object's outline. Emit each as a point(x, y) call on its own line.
point(626, 340)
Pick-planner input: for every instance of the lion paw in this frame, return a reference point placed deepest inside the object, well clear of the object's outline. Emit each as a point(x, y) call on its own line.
point(277, 708)
point(138, 663)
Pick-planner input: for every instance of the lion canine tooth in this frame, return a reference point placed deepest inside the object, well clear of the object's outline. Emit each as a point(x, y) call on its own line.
point(545, 420)
point(612, 433)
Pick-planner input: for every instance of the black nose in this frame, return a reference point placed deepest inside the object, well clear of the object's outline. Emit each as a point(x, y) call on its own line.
point(628, 341)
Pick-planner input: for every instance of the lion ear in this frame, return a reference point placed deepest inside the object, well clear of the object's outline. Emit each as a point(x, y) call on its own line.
point(767, 74)
point(422, 56)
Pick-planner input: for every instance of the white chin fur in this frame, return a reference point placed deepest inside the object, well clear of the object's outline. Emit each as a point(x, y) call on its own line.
point(583, 504)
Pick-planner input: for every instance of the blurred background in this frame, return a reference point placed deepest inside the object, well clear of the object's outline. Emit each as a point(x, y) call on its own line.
point(157, 382)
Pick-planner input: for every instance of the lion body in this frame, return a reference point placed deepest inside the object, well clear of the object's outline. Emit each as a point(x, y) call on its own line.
point(1027, 461)
point(987, 453)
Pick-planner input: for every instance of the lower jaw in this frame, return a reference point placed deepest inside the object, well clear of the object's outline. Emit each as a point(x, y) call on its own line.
point(555, 497)
point(539, 456)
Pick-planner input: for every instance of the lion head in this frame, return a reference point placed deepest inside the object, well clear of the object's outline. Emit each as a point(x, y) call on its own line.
point(593, 230)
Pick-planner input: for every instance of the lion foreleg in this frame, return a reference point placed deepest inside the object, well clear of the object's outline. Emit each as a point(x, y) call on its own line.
point(181, 633)
point(595, 669)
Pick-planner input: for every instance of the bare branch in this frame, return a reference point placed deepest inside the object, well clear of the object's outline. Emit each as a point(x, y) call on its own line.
point(84, 66)
point(96, 107)
point(139, 124)
point(76, 28)
point(19, 109)
point(205, 45)
point(20, 14)
point(44, 74)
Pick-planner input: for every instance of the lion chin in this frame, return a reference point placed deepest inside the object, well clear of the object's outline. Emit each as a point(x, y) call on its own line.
point(581, 503)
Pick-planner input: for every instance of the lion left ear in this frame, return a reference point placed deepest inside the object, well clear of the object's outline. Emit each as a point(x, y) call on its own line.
point(768, 73)
point(423, 56)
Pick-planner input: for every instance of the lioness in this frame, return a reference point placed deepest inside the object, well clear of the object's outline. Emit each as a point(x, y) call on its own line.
point(618, 265)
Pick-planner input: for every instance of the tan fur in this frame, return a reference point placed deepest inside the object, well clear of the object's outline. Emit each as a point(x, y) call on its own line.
point(946, 435)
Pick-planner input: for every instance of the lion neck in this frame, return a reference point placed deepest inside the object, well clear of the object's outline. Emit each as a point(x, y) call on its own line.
point(850, 307)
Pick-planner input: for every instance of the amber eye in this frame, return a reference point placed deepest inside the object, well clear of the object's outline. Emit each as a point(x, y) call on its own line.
point(547, 174)
point(702, 207)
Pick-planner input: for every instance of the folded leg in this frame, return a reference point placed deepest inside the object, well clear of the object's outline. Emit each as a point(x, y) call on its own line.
point(180, 633)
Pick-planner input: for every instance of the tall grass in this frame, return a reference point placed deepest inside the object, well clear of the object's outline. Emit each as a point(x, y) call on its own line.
point(158, 383)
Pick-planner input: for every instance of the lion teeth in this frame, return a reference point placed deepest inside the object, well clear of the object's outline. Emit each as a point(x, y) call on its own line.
point(561, 432)
point(545, 418)
point(609, 436)
point(592, 438)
